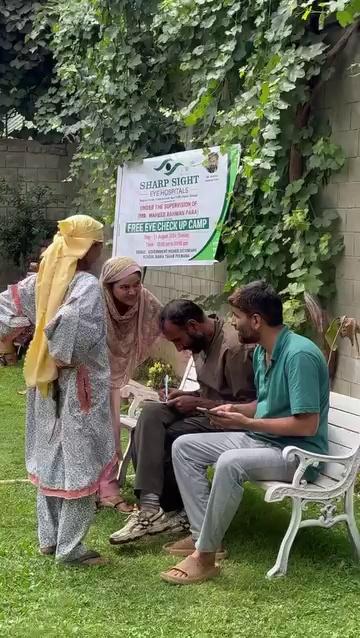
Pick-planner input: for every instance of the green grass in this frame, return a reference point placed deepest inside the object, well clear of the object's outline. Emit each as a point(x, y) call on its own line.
point(319, 597)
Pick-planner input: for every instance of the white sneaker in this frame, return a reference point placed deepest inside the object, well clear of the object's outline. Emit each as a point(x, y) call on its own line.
point(139, 524)
point(178, 522)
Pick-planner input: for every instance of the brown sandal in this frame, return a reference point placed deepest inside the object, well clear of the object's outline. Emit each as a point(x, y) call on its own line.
point(194, 572)
point(186, 547)
point(120, 505)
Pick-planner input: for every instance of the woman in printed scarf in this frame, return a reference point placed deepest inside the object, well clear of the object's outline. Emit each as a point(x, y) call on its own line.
point(69, 439)
point(132, 327)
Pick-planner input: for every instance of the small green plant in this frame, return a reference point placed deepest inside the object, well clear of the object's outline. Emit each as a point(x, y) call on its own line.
point(157, 373)
point(141, 374)
point(26, 225)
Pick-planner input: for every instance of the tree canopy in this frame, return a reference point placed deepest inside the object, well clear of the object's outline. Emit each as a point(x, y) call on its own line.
point(143, 77)
point(25, 63)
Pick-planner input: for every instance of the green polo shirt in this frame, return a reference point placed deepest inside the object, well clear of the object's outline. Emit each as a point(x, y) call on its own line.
point(295, 382)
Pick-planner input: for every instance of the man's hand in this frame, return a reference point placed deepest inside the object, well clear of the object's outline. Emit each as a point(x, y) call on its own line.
point(184, 403)
point(225, 418)
point(173, 394)
point(228, 407)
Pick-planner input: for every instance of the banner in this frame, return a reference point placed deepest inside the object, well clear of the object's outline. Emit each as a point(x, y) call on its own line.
point(169, 209)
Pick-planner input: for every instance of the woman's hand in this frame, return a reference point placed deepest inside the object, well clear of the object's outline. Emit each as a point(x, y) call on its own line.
point(60, 364)
point(12, 335)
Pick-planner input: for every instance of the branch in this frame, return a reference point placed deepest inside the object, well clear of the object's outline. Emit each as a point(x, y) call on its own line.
point(304, 110)
point(338, 47)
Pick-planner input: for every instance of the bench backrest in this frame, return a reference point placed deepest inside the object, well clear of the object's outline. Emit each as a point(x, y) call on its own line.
point(344, 426)
point(189, 381)
point(344, 431)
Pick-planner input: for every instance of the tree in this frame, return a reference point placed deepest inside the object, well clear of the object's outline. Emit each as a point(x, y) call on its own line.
point(26, 225)
point(144, 77)
point(26, 64)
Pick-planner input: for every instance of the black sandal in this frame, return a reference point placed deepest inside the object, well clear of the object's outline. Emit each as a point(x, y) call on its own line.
point(89, 559)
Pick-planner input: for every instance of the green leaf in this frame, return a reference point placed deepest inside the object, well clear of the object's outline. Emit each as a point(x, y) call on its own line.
point(265, 92)
point(344, 18)
point(208, 22)
point(332, 333)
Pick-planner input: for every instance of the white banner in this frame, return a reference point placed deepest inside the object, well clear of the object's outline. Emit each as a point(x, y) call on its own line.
point(169, 209)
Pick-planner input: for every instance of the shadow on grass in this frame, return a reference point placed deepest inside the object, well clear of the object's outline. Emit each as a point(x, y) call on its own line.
point(259, 527)
point(257, 530)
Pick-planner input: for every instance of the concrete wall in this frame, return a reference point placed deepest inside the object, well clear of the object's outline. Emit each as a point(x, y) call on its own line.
point(340, 103)
point(191, 282)
point(32, 163)
point(186, 281)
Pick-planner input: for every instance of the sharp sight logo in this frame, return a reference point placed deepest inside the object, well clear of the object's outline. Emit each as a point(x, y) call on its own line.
point(168, 166)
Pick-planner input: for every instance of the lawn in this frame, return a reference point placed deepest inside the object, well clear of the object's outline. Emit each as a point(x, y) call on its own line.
point(319, 597)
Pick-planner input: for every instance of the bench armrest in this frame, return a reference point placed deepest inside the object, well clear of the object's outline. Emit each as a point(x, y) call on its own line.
point(300, 488)
point(139, 393)
point(138, 390)
point(311, 459)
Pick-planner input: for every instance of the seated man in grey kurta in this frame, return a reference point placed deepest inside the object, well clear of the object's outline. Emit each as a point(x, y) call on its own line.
point(224, 373)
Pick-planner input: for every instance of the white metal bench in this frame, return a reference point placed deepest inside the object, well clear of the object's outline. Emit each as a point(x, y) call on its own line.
point(333, 488)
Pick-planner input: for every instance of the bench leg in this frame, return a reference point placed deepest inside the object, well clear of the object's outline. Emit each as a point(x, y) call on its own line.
point(351, 522)
point(280, 566)
point(124, 463)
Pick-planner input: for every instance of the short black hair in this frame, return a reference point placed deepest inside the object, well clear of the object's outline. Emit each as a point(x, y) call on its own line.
point(260, 298)
point(180, 311)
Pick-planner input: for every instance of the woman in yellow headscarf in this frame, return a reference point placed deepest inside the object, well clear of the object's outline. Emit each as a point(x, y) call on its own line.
point(69, 439)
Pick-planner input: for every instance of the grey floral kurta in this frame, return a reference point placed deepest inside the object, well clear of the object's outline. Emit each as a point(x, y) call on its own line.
point(69, 438)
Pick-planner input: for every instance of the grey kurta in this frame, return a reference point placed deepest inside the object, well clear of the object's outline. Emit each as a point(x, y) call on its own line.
point(67, 449)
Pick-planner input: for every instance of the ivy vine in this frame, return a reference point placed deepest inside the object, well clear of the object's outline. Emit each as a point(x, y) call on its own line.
point(25, 63)
point(146, 77)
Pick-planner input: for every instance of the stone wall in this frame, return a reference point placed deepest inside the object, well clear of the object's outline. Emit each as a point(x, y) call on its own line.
point(32, 163)
point(340, 103)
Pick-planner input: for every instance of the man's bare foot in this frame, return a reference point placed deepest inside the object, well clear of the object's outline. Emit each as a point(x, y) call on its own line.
point(186, 547)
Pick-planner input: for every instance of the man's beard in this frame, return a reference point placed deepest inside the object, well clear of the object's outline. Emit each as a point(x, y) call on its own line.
point(198, 344)
point(248, 338)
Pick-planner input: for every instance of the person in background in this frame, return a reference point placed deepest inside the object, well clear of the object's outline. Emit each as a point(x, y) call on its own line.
point(292, 387)
point(132, 314)
point(69, 440)
point(225, 374)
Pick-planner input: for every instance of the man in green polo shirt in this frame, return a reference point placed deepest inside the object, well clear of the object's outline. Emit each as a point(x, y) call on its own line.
point(292, 387)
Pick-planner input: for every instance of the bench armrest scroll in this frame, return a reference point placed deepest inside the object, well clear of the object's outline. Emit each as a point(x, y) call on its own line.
point(311, 459)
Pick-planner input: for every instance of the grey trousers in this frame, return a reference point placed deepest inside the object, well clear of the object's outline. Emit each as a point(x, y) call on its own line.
point(157, 428)
point(64, 524)
point(238, 458)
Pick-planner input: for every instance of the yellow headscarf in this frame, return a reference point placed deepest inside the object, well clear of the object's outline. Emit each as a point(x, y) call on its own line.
point(58, 266)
